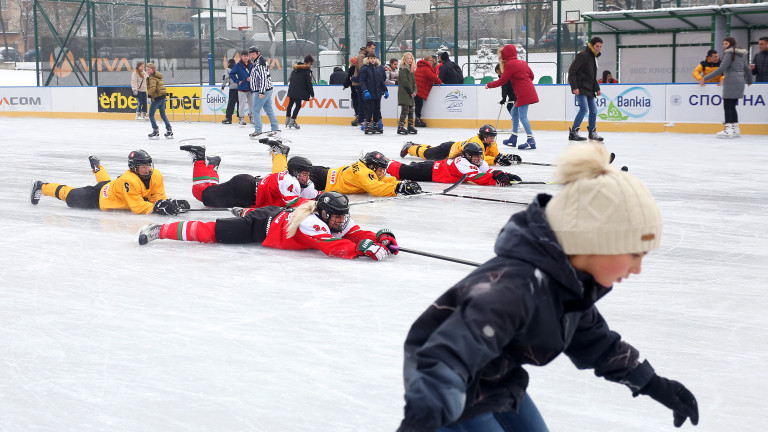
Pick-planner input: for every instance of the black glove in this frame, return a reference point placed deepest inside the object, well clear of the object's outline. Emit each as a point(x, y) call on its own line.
point(674, 396)
point(407, 187)
point(502, 102)
point(166, 207)
point(507, 159)
point(183, 204)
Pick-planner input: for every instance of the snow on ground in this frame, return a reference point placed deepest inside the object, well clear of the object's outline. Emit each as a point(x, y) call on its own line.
point(101, 334)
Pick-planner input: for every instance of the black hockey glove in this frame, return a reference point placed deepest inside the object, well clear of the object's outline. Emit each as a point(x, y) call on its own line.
point(407, 187)
point(502, 102)
point(385, 238)
point(674, 396)
point(166, 207)
point(507, 159)
point(183, 204)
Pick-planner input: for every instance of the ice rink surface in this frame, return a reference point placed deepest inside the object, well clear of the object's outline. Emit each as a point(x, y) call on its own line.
point(101, 334)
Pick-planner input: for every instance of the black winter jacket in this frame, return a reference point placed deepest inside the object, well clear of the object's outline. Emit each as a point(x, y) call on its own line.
point(760, 60)
point(582, 74)
point(300, 83)
point(337, 77)
point(464, 354)
point(448, 74)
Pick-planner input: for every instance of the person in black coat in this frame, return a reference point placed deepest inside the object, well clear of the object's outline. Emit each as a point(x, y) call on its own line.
point(353, 89)
point(372, 80)
point(448, 72)
point(464, 356)
point(299, 89)
point(582, 75)
point(338, 76)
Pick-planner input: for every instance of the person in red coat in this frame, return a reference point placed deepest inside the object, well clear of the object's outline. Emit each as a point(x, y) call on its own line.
point(521, 76)
point(425, 78)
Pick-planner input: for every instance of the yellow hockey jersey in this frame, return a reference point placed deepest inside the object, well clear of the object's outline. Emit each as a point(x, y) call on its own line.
point(489, 152)
point(358, 178)
point(129, 192)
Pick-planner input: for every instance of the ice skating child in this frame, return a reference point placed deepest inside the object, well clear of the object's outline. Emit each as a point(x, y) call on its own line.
point(406, 91)
point(232, 97)
point(140, 189)
point(465, 355)
point(139, 87)
point(156, 91)
point(507, 97)
point(324, 224)
point(299, 89)
point(521, 76)
point(372, 83)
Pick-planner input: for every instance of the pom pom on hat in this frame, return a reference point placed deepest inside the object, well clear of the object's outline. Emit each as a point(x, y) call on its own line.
point(601, 210)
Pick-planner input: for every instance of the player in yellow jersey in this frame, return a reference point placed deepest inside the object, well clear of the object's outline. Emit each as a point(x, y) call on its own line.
point(369, 174)
point(485, 137)
point(140, 189)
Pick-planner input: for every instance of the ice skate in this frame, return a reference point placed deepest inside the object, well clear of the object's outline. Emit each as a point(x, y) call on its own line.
point(287, 122)
point(420, 123)
point(37, 192)
point(168, 135)
point(154, 135)
point(149, 232)
point(215, 161)
point(226, 121)
point(593, 136)
point(404, 150)
point(402, 130)
point(242, 122)
point(138, 116)
point(412, 130)
point(530, 144)
point(573, 135)
point(275, 146)
point(294, 124)
point(727, 131)
point(511, 141)
point(197, 153)
point(369, 128)
point(95, 164)
point(355, 123)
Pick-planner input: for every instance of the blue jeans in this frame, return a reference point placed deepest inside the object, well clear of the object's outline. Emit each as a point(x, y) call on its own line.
point(585, 102)
point(264, 103)
point(158, 105)
point(526, 419)
point(520, 113)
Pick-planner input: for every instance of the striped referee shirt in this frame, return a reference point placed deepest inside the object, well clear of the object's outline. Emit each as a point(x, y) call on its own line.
point(261, 81)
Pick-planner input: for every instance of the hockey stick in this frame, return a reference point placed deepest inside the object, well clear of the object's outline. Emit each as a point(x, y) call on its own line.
point(537, 163)
point(486, 199)
point(394, 248)
point(498, 117)
point(205, 209)
point(443, 192)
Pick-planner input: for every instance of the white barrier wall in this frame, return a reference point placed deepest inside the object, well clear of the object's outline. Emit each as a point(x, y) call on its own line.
point(686, 108)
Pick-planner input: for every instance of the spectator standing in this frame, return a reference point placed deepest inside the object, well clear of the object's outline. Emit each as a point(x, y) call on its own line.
point(449, 72)
point(156, 91)
point(710, 64)
point(521, 76)
point(425, 78)
point(370, 47)
point(139, 87)
point(338, 76)
point(392, 72)
point(232, 99)
point(240, 74)
point(299, 89)
point(735, 67)
point(607, 78)
point(406, 90)
point(261, 84)
point(759, 64)
point(372, 83)
point(582, 76)
point(353, 88)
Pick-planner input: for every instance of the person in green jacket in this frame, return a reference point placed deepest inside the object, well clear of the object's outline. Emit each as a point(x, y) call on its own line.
point(156, 92)
point(406, 90)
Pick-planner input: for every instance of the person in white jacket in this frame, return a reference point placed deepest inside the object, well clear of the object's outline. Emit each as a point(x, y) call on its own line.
point(139, 87)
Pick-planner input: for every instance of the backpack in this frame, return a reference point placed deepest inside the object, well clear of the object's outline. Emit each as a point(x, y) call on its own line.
point(459, 74)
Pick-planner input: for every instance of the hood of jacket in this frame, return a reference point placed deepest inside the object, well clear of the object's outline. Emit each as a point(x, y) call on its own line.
point(739, 51)
point(157, 75)
point(509, 52)
point(528, 237)
point(302, 66)
point(371, 61)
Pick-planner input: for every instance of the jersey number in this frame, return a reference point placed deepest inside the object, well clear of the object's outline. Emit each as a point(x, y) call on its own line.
point(127, 187)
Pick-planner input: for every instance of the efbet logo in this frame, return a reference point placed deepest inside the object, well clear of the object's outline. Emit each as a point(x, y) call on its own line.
point(633, 102)
point(454, 101)
point(216, 99)
point(117, 100)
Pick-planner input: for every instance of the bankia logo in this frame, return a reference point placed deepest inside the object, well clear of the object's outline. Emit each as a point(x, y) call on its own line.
point(634, 102)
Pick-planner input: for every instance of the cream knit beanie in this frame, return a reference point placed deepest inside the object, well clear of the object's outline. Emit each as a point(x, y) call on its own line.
point(601, 210)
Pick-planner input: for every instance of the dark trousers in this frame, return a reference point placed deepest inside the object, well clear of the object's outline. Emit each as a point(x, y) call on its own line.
point(417, 171)
point(319, 176)
point(354, 98)
point(439, 152)
point(296, 105)
point(232, 101)
point(419, 104)
point(142, 99)
point(373, 109)
point(361, 111)
point(249, 229)
point(85, 197)
point(729, 106)
point(239, 191)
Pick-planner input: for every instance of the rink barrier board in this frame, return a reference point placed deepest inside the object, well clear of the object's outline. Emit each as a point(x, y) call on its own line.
point(683, 108)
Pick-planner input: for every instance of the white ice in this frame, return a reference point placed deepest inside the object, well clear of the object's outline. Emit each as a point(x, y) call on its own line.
point(101, 334)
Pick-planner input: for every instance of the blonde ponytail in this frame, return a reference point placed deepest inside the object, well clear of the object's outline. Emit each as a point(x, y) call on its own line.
point(298, 216)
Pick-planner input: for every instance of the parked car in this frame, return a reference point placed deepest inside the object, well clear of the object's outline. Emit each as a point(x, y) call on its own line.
point(30, 55)
point(295, 47)
point(549, 40)
point(491, 43)
point(10, 56)
point(118, 52)
point(433, 43)
point(525, 41)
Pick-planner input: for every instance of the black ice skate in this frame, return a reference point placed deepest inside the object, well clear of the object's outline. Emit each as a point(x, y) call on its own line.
point(573, 135)
point(95, 164)
point(593, 136)
point(196, 152)
point(412, 130)
point(154, 135)
point(215, 161)
point(276, 146)
point(401, 130)
point(404, 150)
point(168, 135)
point(37, 192)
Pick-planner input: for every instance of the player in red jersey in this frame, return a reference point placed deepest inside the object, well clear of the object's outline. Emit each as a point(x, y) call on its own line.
point(470, 162)
point(324, 224)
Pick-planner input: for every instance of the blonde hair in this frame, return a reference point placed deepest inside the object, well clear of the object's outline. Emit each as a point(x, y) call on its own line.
point(403, 63)
point(298, 216)
point(151, 66)
point(501, 60)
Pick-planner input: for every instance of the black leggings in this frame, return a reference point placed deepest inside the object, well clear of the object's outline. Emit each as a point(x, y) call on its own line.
point(249, 229)
point(85, 197)
point(319, 176)
point(729, 106)
point(439, 152)
point(291, 104)
point(419, 104)
point(239, 191)
point(417, 171)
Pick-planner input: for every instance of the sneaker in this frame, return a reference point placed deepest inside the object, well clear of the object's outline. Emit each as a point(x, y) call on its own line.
point(197, 153)
point(169, 135)
point(276, 146)
point(512, 141)
point(95, 164)
point(593, 136)
point(404, 150)
point(226, 121)
point(528, 145)
point(150, 232)
point(215, 161)
point(154, 135)
point(37, 192)
point(573, 135)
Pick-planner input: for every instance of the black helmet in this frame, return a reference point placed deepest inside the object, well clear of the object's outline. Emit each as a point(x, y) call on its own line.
point(254, 49)
point(333, 203)
point(486, 130)
point(375, 160)
point(471, 149)
point(298, 164)
point(137, 158)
